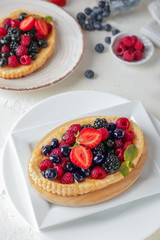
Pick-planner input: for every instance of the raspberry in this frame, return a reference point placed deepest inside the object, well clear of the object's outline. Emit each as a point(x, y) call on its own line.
point(126, 145)
point(63, 162)
point(128, 56)
point(105, 133)
point(45, 164)
point(122, 123)
point(56, 151)
point(49, 27)
point(128, 41)
point(131, 49)
point(3, 32)
point(134, 39)
point(120, 49)
point(120, 153)
point(138, 55)
point(69, 137)
point(25, 60)
point(75, 128)
point(15, 23)
point(62, 143)
point(98, 173)
point(118, 143)
point(67, 178)
point(21, 50)
point(13, 62)
point(60, 171)
point(138, 45)
point(143, 48)
point(129, 135)
point(5, 48)
point(39, 36)
point(7, 22)
point(25, 40)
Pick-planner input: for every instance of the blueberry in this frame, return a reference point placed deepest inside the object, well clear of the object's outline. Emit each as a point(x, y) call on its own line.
point(109, 143)
point(78, 177)
point(89, 26)
point(54, 158)
point(3, 62)
point(111, 134)
point(111, 126)
point(93, 15)
point(99, 47)
point(65, 151)
point(110, 151)
point(4, 55)
point(85, 172)
point(87, 11)
point(107, 27)
point(107, 8)
point(97, 25)
point(89, 74)
point(51, 173)
point(63, 137)
point(42, 43)
point(101, 4)
point(99, 18)
point(69, 167)
point(54, 143)
point(43, 173)
point(46, 150)
point(115, 31)
point(22, 16)
point(107, 40)
point(99, 158)
point(82, 24)
point(33, 56)
point(105, 14)
point(81, 16)
point(97, 10)
point(118, 133)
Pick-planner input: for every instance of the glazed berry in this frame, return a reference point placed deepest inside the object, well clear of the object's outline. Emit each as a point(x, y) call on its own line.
point(45, 164)
point(33, 56)
point(38, 36)
point(111, 135)
point(3, 62)
point(85, 172)
point(111, 126)
point(128, 56)
point(119, 153)
point(13, 46)
point(109, 143)
point(100, 148)
point(3, 32)
point(49, 27)
point(88, 11)
point(89, 74)
point(98, 173)
point(33, 47)
point(122, 123)
point(63, 162)
point(5, 48)
point(13, 62)
point(69, 137)
point(21, 51)
point(32, 36)
point(101, 4)
point(5, 40)
point(107, 40)
point(107, 27)
point(43, 173)
point(7, 22)
point(78, 177)
point(97, 25)
point(42, 43)
point(51, 173)
point(126, 144)
point(67, 178)
point(87, 126)
point(69, 167)
point(75, 128)
point(99, 158)
point(100, 123)
point(118, 133)
point(54, 143)
point(25, 60)
point(15, 38)
point(22, 16)
point(118, 143)
point(90, 137)
point(15, 23)
point(5, 55)
point(45, 149)
point(60, 171)
point(129, 135)
point(110, 151)
point(56, 151)
point(54, 158)
point(27, 24)
point(62, 143)
point(65, 151)
point(115, 31)
point(112, 163)
point(25, 40)
point(104, 132)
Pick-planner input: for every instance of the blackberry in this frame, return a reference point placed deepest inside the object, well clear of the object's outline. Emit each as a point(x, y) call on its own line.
point(31, 35)
point(33, 30)
point(100, 123)
point(13, 46)
point(109, 143)
point(5, 40)
point(32, 56)
point(111, 164)
point(15, 38)
point(100, 148)
point(6, 26)
point(87, 126)
point(13, 31)
point(33, 48)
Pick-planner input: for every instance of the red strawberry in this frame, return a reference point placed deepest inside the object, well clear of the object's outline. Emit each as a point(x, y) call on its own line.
point(105, 133)
point(41, 26)
point(27, 24)
point(60, 3)
point(81, 156)
point(90, 137)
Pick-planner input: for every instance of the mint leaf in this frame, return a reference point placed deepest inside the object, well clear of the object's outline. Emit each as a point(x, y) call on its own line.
point(124, 170)
point(130, 153)
point(37, 16)
point(131, 165)
point(48, 19)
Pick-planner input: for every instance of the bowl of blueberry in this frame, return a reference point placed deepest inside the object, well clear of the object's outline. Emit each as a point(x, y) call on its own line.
point(131, 49)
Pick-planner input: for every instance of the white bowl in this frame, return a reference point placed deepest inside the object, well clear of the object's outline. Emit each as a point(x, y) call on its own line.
point(147, 54)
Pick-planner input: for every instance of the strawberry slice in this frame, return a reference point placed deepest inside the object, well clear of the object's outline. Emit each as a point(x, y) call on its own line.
point(81, 156)
point(60, 3)
point(90, 137)
point(27, 24)
point(41, 26)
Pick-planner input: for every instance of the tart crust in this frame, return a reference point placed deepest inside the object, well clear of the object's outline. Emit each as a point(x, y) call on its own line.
point(44, 53)
point(88, 185)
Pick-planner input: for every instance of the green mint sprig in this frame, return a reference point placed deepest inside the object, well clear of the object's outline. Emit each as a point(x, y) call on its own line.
point(129, 155)
point(48, 19)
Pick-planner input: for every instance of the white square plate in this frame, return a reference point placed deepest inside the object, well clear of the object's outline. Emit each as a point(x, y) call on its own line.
point(46, 214)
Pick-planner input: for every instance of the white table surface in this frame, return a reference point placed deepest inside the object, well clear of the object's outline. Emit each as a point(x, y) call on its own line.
point(132, 82)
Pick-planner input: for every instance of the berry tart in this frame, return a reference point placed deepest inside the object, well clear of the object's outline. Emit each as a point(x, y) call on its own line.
point(27, 40)
point(85, 155)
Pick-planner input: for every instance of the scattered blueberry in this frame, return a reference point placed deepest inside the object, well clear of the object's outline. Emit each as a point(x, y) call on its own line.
point(111, 126)
point(54, 158)
point(99, 158)
point(46, 150)
point(107, 27)
point(101, 4)
point(65, 151)
point(89, 26)
point(82, 24)
point(105, 14)
point(99, 47)
point(107, 40)
point(81, 16)
point(89, 74)
point(88, 11)
point(78, 177)
point(97, 25)
point(97, 10)
point(51, 173)
point(115, 31)
point(99, 18)
point(54, 143)
point(118, 133)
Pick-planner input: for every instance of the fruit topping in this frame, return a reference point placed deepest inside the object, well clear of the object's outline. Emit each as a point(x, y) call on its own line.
point(25, 40)
point(122, 123)
point(5, 48)
point(46, 150)
point(56, 151)
point(119, 153)
point(51, 173)
point(27, 24)
point(81, 156)
point(111, 164)
point(63, 162)
point(65, 151)
point(45, 164)
point(100, 123)
point(3, 32)
point(7, 22)
point(75, 128)
point(126, 144)
point(99, 158)
point(59, 170)
point(41, 26)
point(129, 135)
point(21, 51)
point(25, 60)
point(118, 143)
point(67, 178)
point(104, 132)
point(100, 148)
point(62, 143)
point(54, 158)
point(54, 143)
point(90, 137)
point(98, 173)
point(78, 177)
point(118, 133)
point(70, 137)
point(13, 62)
point(15, 23)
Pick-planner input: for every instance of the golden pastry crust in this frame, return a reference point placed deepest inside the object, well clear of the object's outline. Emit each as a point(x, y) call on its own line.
point(88, 185)
point(44, 53)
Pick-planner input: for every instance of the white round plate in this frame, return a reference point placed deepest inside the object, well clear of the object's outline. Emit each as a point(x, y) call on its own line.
point(133, 221)
point(147, 54)
point(68, 50)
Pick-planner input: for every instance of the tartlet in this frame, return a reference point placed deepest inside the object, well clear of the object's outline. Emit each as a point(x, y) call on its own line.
point(88, 185)
point(8, 72)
